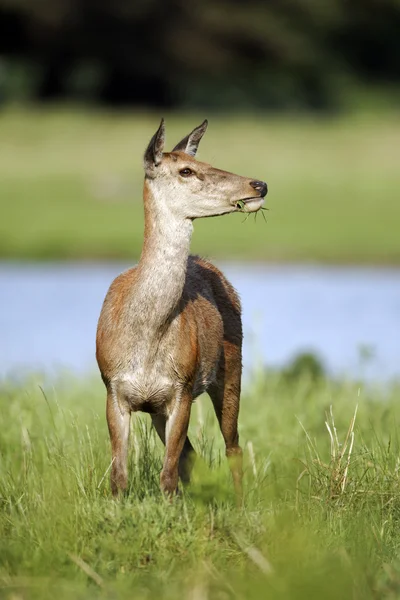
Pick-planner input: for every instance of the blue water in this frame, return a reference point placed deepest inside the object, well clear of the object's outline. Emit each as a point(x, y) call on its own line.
point(49, 313)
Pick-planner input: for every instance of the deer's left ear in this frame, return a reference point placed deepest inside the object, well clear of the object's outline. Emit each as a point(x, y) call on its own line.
point(154, 152)
point(190, 143)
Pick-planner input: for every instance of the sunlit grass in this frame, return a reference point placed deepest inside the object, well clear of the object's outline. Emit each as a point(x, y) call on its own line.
point(320, 518)
point(71, 185)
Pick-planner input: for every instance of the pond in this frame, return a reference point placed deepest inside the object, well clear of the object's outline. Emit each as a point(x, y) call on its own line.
point(349, 316)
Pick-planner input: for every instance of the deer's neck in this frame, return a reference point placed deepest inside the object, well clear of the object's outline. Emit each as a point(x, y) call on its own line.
point(162, 267)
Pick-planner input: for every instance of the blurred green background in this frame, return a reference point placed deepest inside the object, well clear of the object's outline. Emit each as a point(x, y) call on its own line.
point(71, 185)
point(301, 94)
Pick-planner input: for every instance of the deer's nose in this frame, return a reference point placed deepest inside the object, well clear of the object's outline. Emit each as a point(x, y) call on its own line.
point(260, 186)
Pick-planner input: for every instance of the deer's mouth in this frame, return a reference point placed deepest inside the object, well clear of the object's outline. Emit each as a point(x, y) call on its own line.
point(250, 204)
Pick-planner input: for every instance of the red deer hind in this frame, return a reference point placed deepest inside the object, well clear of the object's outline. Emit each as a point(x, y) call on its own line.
point(170, 328)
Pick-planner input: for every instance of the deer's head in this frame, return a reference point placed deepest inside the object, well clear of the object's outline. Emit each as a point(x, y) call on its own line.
point(190, 189)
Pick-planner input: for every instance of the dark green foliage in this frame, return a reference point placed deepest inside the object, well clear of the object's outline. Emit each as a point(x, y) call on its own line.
point(304, 365)
point(213, 53)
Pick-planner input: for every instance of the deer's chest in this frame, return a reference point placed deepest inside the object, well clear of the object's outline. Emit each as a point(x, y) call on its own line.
point(158, 370)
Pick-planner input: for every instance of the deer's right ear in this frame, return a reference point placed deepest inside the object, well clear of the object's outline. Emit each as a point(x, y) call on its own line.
point(154, 152)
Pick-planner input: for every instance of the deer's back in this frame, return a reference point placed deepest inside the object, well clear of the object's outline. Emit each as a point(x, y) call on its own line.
point(189, 348)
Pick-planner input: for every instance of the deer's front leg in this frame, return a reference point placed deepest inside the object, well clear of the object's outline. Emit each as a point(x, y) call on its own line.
point(118, 419)
point(175, 434)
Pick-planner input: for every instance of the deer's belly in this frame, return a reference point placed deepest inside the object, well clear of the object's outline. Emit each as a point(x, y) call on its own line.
point(149, 392)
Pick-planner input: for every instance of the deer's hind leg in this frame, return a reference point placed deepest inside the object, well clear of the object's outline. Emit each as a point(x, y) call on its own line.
point(118, 420)
point(188, 454)
point(225, 396)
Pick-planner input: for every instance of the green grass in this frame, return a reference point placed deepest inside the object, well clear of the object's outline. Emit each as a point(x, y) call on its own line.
point(71, 184)
point(308, 529)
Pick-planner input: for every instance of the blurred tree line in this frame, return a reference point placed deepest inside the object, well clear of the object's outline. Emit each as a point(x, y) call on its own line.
point(198, 53)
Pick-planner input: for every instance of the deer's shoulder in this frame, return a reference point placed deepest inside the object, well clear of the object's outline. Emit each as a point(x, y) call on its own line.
point(204, 277)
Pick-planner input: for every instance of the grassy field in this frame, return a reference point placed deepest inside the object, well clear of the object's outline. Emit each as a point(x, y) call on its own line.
point(320, 520)
point(71, 183)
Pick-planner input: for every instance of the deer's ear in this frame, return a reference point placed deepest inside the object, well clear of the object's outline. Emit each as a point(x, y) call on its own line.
point(154, 152)
point(190, 143)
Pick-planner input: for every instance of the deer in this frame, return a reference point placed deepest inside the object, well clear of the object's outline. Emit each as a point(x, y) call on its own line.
point(170, 328)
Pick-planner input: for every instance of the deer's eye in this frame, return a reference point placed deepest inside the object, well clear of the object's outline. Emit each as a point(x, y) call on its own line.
point(186, 172)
